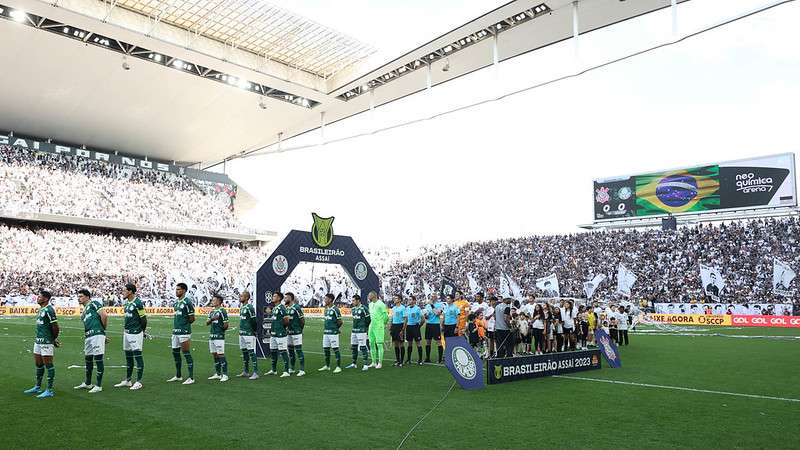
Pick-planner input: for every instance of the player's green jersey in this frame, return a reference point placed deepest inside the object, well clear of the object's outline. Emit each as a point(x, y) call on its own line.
point(378, 314)
point(295, 315)
point(247, 316)
point(360, 319)
point(92, 325)
point(184, 309)
point(278, 313)
point(134, 313)
point(44, 319)
point(332, 316)
point(219, 317)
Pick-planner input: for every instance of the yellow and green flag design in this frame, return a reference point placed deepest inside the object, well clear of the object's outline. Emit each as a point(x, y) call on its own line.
point(678, 191)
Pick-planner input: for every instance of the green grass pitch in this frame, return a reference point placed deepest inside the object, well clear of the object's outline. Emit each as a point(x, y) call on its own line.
point(376, 409)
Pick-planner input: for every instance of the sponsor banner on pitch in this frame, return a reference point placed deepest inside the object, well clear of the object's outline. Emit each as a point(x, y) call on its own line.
point(33, 310)
point(766, 321)
point(504, 370)
point(692, 319)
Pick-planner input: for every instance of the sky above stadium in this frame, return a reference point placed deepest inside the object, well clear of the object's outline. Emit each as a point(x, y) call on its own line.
point(525, 164)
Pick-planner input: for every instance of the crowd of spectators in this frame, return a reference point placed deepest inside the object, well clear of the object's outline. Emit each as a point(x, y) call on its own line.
point(666, 263)
point(66, 260)
point(46, 183)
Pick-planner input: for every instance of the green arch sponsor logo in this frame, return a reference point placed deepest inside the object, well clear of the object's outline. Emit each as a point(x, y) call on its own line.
point(322, 230)
point(498, 372)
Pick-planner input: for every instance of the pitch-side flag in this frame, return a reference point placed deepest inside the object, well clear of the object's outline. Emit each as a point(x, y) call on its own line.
point(463, 362)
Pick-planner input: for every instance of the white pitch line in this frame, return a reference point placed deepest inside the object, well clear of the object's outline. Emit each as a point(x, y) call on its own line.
point(680, 388)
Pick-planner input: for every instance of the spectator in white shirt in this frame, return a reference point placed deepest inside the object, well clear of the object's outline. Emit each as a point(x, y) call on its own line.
point(622, 326)
point(568, 315)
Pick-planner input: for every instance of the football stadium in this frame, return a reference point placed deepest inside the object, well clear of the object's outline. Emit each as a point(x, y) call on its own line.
point(304, 224)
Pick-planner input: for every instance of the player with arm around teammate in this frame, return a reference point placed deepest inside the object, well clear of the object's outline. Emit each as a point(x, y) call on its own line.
point(278, 340)
point(47, 331)
point(297, 321)
point(433, 327)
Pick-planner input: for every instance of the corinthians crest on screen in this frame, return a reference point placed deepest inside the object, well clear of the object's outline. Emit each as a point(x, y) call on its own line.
point(322, 230)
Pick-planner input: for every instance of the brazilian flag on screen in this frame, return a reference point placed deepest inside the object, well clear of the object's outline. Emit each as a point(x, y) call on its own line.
point(678, 191)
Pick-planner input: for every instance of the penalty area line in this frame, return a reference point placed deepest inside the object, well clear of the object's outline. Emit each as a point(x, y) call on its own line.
point(680, 388)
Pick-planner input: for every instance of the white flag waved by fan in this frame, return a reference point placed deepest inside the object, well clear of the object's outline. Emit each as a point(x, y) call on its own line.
point(782, 276)
point(426, 288)
point(473, 285)
point(625, 280)
point(505, 287)
point(410, 287)
point(516, 292)
point(590, 286)
point(712, 280)
point(549, 286)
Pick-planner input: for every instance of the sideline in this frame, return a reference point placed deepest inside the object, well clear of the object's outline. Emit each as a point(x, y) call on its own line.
point(679, 388)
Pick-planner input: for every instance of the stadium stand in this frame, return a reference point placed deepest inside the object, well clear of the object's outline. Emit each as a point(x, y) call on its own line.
point(65, 260)
point(666, 263)
point(72, 186)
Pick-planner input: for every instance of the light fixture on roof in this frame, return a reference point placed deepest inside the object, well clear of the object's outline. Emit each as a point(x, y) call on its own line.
point(18, 15)
point(125, 65)
point(65, 30)
point(262, 103)
point(446, 66)
point(177, 63)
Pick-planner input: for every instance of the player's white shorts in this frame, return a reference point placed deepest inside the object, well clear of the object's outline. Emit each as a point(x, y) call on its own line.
point(178, 339)
point(247, 342)
point(359, 339)
point(277, 343)
point(330, 341)
point(295, 339)
point(216, 346)
point(132, 342)
point(44, 349)
point(94, 345)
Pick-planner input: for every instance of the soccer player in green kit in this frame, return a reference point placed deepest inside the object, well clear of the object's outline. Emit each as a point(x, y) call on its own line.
point(218, 319)
point(330, 334)
point(277, 340)
point(247, 335)
point(377, 327)
point(95, 321)
point(297, 322)
point(133, 337)
point(182, 333)
point(358, 335)
point(44, 346)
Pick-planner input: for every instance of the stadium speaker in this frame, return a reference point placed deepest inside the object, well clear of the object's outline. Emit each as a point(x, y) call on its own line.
point(669, 223)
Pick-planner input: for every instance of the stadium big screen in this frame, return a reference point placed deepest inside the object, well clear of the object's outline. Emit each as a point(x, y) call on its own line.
point(764, 182)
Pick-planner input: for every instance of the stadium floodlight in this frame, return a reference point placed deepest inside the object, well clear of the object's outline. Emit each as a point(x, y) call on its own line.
point(262, 103)
point(125, 65)
point(66, 30)
point(177, 63)
point(446, 66)
point(18, 15)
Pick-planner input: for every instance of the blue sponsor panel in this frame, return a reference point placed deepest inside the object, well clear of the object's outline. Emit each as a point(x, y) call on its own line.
point(608, 348)
point(463, 362)
point(504, 370)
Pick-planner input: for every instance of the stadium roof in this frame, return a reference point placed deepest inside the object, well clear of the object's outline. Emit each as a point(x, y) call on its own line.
point(213, 79)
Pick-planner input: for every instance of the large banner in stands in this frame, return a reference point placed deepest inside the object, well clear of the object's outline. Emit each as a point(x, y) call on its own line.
point(746, 309)
point(766, 321)
point(692, 319)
